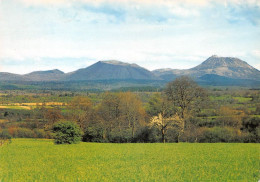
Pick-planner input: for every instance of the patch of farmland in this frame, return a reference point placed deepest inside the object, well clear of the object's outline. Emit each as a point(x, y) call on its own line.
point(41, 160)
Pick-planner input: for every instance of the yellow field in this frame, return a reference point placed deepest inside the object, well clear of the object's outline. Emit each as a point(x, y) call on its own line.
point(29, 106)
point(15, 107)
point(2, 120)
point(39, 104)
point(3, 107)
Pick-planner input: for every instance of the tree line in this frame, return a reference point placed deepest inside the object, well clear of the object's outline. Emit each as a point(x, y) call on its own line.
point(173, 115)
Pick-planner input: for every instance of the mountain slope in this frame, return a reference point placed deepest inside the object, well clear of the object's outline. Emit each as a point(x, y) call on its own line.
point(112, 70)
point(223, 66)
point(4, 76)
point(49, 75)
point(167, 74)
point(216, 80)
point(226, 66)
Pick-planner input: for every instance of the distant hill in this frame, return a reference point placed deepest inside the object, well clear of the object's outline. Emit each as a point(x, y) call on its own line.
point(115, 74)
point(50, 75)
point(228, 67)
point(111, 70)
point(4, 76)
point(167, 74)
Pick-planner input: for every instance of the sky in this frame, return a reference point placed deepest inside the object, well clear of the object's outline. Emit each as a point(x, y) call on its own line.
point(179, 34)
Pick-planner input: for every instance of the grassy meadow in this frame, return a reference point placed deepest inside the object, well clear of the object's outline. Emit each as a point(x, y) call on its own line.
point(41, 160)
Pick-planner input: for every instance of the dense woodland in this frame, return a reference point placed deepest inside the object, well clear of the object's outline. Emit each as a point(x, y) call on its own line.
point(182, 112)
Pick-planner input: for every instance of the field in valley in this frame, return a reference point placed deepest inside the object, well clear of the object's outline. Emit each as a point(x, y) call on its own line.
point(41, 160)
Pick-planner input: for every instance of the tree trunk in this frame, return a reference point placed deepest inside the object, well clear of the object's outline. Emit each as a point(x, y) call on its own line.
point(163, 135)
point(181, 131)
point(133, 129)
point(163, 128)
point(104, 135)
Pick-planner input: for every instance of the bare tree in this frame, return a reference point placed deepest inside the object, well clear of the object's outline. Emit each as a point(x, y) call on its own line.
point(52, 115)
point(81, 109)
point(120, 112)
point(108, 113)
point(187, 97)
point(132, 111)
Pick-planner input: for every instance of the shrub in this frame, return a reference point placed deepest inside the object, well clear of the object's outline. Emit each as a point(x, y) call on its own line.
point(123, 136)
point(40, 133)
point(93, 134)
point(4, 135)
point(217, 134)
point(148, 135)
point(251, 128)
point(25, 133)
point(18, 132)
point(66, 133)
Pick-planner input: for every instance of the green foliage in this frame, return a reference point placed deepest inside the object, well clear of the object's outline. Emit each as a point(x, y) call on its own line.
point(23, 133)
point(257, 110)
point(66, 133)
point(120, 117)
point(159, 104)
point(148, 135)
point(186, 95)
point(93, 134)
point(18, 132)
point(252, 127)
point(123, 136)
point(4, 134)
point(218, 134)
point(40, 133)
point(40, 160)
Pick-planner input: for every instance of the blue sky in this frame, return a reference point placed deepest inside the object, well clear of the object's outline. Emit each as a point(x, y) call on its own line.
point(72, 34)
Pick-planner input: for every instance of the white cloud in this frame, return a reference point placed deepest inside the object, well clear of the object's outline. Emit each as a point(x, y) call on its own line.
point(170, 3)
point(154, 34)
point(256, 53)
point(184, 12)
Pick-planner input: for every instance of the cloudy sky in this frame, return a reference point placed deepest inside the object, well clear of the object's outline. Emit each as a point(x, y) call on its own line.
point(72, 34)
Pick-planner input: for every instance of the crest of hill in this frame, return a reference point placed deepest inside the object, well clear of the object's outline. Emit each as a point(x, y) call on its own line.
point(4, 76)
point(223, 66)
point(112, 70)
point(226, 66)
point(49, 75)
point(230, 62)
point(120, 63)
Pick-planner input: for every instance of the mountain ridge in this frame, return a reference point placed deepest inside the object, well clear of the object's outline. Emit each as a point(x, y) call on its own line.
point(48, 75)
point(224, 67)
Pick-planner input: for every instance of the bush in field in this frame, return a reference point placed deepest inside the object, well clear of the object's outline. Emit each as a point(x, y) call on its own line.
point(251, 127)
point(218, 134)
point(120, 137)
point(148, 135)
point(66, 133)
point(93, 134)
point(41, 133)
point(18, 132)
point(4, 135)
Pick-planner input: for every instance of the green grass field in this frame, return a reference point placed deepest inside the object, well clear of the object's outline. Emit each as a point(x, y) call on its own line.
point(41, 160)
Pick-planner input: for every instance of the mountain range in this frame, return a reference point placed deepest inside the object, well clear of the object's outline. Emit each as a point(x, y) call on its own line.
point(215, 70)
